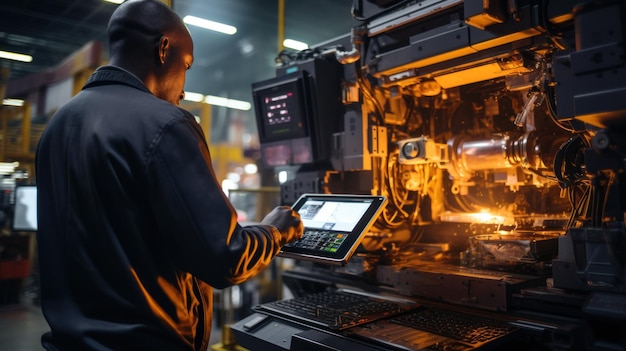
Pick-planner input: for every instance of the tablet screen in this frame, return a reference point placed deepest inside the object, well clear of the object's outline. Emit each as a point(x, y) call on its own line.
point(333, 226)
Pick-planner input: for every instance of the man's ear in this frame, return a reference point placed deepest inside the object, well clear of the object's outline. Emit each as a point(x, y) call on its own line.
point(164, 45)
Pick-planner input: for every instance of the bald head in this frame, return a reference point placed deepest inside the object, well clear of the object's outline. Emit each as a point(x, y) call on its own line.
point(148, 39)
point(138, 24)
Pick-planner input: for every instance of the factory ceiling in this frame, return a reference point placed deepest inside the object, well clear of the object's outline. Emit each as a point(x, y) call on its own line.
point(225, 65)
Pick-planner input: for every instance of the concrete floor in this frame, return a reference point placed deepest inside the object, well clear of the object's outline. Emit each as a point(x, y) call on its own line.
point(21, 320)
point(22, 324)
point(21, 327)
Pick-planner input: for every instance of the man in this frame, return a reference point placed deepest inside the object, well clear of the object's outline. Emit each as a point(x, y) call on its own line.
point(134, 229)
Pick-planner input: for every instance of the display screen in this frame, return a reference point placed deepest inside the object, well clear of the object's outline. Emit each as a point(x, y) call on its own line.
point(281, 110)
point(333, 226)
point(25, 210)
point(341, 216)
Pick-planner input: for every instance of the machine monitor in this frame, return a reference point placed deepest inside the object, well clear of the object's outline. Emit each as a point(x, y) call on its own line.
point(334, 226)
point(25, 210)
point(281, 110)
point(298, 112)
point(283, 113)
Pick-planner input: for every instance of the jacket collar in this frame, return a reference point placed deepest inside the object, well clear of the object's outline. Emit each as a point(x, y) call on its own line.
point(106, 75)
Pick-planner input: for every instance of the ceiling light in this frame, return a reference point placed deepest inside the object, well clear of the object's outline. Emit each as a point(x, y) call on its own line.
point(210, 25)
point(230, 103)
point(7, 168)
point(251, 168)
point(15, 56)
point(218, 101)
point(239, 105)
point(294, 44)
point(282, 177)
point(13, 102)
point(194, 97)
point(115, 1)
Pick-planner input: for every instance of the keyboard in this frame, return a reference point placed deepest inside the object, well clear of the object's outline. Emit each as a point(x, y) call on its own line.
point(339, 309)
point(321, 240)
point(460, 326)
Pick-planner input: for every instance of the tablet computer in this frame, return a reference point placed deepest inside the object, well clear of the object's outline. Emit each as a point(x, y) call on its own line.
point(334, 226)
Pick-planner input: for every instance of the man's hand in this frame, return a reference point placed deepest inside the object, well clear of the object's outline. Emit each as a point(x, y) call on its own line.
point(287, 221)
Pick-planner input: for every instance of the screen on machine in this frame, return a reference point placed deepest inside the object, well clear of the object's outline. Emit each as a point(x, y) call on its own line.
point(282, 111)
point(334, 226)
point(25, 210)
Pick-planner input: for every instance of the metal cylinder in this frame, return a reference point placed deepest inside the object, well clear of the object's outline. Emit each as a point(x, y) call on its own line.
point(471, 155)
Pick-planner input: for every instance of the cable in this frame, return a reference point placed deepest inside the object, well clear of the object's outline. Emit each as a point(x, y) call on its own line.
point(550, 29)
point(539, 174)
point(367, 93)
point(563, 161)
point(287, 56)
point(549, 92)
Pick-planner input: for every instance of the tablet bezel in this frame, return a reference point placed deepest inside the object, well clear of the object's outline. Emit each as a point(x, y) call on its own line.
point(350, 244)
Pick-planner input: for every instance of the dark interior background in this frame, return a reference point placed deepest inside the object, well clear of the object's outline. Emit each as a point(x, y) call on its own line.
point(225, 65)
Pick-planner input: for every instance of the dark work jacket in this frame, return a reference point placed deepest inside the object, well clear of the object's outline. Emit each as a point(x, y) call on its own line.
point(134, 229)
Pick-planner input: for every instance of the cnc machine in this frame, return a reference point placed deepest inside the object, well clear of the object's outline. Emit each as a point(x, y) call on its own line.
point(496, 130)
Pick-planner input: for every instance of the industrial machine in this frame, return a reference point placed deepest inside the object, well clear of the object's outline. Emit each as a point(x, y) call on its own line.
point(496, 131)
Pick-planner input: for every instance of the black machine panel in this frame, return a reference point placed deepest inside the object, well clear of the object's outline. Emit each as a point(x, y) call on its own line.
point(297, 113)
point(496, 130)
point(358, 320)
point(339, 309)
